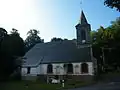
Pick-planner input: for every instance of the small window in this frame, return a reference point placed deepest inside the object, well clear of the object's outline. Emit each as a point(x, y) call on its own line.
point(28, 70)
point(50, 68)
point(84, 68)
point(69, 68)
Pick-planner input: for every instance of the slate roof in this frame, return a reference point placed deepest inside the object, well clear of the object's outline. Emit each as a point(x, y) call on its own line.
point(57, 52)
point(83, 19)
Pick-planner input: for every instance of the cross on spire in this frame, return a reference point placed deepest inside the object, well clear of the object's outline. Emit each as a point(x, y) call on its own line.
point(83, 19)
point(81, 4)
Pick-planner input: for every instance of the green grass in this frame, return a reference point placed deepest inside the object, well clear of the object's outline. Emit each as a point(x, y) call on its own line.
point(107, 76)
point(32, 85)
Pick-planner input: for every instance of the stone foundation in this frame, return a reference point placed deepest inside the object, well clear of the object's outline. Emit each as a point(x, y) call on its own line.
point(44, 78)
point(85, 78)
point(29, 77)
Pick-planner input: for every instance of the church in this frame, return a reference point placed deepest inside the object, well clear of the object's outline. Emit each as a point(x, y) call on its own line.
point(64, 59)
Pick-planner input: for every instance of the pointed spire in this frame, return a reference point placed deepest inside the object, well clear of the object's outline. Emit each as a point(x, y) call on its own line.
point(83, 19)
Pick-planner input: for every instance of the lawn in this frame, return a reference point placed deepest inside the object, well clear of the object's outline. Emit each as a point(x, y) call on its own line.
point(108, 76)
point(32, 85)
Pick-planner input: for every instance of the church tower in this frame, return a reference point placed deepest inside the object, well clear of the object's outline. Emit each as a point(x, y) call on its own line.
point(83, 30)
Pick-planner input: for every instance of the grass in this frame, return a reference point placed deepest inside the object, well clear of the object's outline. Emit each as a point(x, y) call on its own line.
point(32, 85)
point(106, 77)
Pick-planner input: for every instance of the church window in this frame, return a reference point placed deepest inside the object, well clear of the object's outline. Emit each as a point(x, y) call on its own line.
point(83, 35)
point(84, 68)
point(28, 70)
point(50, 68)
point(69, 68)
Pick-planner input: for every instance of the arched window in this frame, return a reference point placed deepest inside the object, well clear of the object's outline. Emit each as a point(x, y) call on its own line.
point(50, 68)
point(84, 68)
point(69, 68)
point(28, 70)
point(83, 35)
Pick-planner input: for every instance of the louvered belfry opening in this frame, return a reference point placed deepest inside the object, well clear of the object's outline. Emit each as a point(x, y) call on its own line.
point(83, 35)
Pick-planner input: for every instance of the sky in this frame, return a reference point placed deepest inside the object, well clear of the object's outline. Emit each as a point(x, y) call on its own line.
point(53, 18)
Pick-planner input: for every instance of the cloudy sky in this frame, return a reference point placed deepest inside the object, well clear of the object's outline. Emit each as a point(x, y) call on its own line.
point(53, 18)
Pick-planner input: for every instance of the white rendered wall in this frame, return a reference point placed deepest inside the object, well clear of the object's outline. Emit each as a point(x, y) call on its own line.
point(42, 69)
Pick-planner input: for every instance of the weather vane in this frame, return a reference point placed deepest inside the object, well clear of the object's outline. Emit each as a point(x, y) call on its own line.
point(81, 4)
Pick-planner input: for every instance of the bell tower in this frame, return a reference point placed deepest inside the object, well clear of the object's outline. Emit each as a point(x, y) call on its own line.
point(83, 30)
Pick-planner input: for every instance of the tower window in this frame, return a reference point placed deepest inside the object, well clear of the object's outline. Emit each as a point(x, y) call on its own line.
point(83, 35)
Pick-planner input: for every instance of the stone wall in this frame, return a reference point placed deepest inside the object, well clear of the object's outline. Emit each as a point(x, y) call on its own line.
point(86, 78)
point(29, 77)
point(67, 78)
point(79, 77)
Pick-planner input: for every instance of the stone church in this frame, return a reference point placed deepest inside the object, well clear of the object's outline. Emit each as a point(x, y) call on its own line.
point(67, 58)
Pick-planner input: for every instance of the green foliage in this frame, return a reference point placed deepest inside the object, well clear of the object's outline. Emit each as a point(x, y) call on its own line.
point(32, 39)
point(109, 39)
point(33, 85)
point(11, 47)
point(14, 32)
point(54, 39)
point(3, 33)
point(113, 4)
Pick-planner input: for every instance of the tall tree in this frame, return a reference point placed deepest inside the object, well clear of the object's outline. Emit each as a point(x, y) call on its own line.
point(14, 32)
point(3, 33)
point(109, 39)
point(113, 4)
point(54, 39)
point(32, 39)
point(12, 46)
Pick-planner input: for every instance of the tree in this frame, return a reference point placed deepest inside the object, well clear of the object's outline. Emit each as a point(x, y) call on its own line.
point(14, 32)
point(3, 33)
point(33, 32)
point(54, 39)
point(65, 39)
point(113, 4)
point(108, 39)
point(32, 39)
point(12, 46)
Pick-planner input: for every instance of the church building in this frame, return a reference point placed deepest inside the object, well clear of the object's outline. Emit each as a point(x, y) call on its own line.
point(67, 58)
